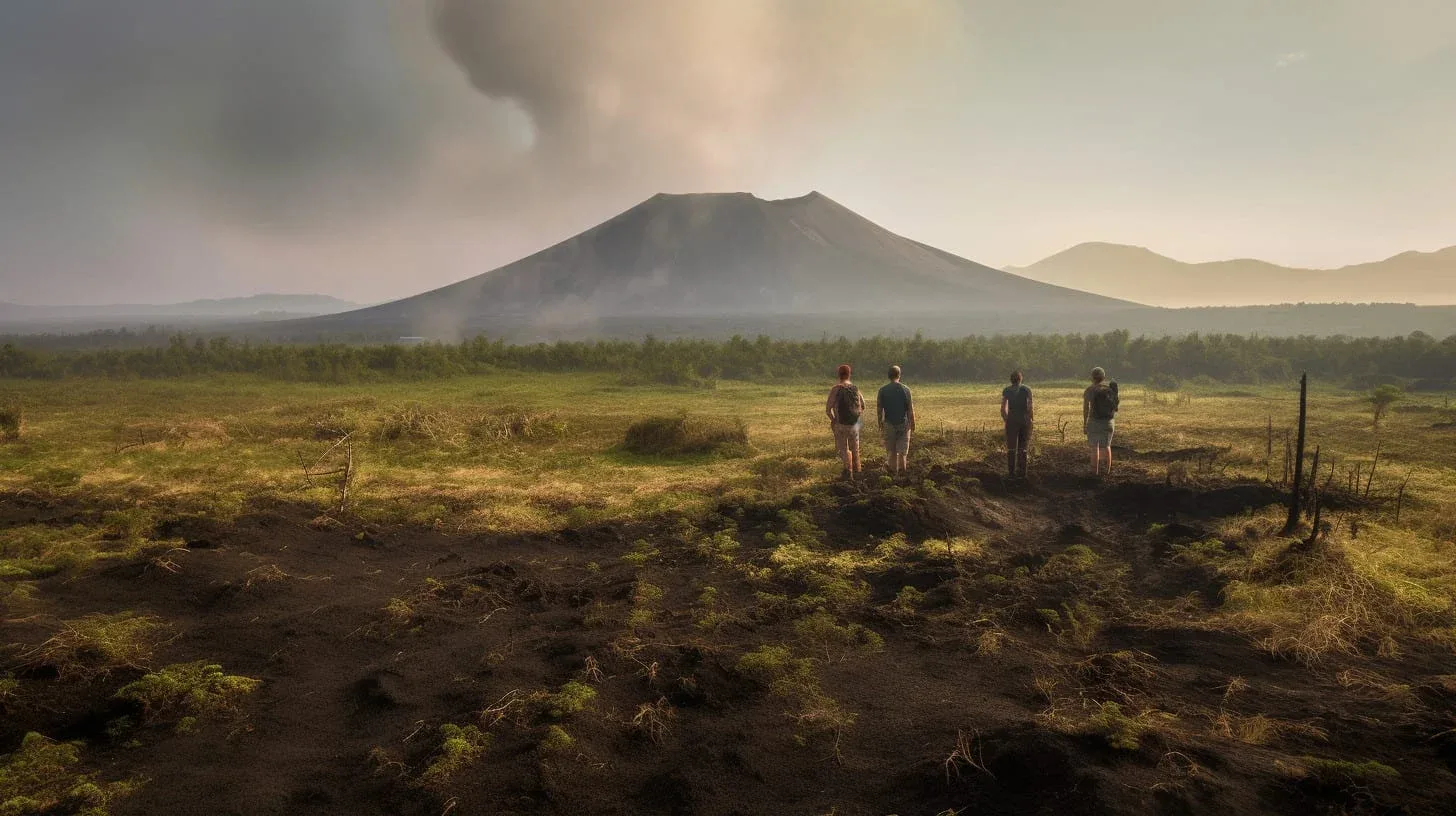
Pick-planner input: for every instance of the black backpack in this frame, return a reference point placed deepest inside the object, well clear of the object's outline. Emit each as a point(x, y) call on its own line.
point(847, 408)
point(1104, 401)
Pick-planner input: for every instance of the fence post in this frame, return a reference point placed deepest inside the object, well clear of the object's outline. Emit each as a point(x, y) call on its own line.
point(1297, 488)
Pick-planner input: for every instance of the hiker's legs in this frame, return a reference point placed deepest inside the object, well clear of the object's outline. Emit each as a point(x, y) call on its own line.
point(841, 446)
point(1013, 433)
point(1107, 466)
point(1017, 436)
point(1023, 447)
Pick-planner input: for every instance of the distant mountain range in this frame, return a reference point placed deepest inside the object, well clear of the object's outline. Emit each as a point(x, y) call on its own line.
point(1136, 273)
point(716, 254)
point(256, 307)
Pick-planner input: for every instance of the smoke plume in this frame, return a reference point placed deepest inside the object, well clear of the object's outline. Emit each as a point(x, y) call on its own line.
point(205, 147)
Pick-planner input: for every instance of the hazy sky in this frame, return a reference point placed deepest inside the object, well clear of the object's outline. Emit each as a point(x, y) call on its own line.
point(155, 150)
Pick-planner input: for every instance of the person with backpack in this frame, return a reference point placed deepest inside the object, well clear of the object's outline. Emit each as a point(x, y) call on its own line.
point(844, 407)
point(1099, 414)
point(896, 416)
point(1016, 412)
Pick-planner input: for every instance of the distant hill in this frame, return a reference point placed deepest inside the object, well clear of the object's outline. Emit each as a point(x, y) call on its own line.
point(256, 307)
point(1116, 270)
point(721, 254)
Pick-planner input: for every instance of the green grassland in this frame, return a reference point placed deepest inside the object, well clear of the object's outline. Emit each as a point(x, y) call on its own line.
point(447, 450)
point(1063, 594)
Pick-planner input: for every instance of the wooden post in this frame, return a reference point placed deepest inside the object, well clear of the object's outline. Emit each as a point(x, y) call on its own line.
point(1370, 482)
point(1314, 479)
point(1294, 493)
point(1268, 445)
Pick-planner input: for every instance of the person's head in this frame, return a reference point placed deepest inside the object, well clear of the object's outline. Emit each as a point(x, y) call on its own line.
point(1098, 375)
point(1016, 378)
point(844, 372)
point(895, 373)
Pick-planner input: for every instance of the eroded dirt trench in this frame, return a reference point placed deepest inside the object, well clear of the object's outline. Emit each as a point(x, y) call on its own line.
point(949, 644)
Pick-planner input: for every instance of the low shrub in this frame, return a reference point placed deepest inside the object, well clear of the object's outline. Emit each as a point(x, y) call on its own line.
point(573, 697)
point(460, 745)
point(188, 691)
point(517, 424)
point(681, 434)
point(12, 417)
point(96, 645)
point(40, 777)
point(1341, 773)
point(674, 374)
point(1163, 382)
point(556, 740)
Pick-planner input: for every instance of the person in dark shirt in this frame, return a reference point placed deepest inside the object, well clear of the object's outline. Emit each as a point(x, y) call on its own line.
point(844, 406)
point(896, 414)
point(1016, 412)
point(1099, 412)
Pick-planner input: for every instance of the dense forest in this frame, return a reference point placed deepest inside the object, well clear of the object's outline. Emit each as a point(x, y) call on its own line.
point(1221, 357)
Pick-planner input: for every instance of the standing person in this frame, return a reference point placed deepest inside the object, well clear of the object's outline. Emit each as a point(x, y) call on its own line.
point(1099, 412)
point(1016, 412)
point(844, 406)
point(896, 414)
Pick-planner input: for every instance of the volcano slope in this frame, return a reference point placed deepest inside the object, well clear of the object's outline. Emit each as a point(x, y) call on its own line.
point(950, 644)
point(717, 255)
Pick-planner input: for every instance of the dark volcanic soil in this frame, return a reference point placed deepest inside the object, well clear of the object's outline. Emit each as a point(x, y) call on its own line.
point(369, 639)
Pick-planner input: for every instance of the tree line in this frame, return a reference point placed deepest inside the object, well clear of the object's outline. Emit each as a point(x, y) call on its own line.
point(1222, 357)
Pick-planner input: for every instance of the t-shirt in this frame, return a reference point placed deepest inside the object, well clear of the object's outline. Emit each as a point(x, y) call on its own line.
point(1018, 399)
point(894, 402)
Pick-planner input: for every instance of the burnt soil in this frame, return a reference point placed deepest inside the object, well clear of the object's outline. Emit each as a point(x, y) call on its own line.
point(352, 695)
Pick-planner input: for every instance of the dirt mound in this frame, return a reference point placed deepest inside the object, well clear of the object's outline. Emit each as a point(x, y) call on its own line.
point(1155, 501)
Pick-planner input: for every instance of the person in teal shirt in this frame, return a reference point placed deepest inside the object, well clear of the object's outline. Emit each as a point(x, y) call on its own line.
point(897, 419)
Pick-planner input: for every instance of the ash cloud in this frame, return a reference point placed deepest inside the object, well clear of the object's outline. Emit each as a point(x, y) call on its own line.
point(186, 148)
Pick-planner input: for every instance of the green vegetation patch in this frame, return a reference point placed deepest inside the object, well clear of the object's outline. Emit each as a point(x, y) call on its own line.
point(96, 645)
point(460, 745)
point(41, 777)
point(573, 698)
point(681, 434)
point(188, 691)
point(1342, 773)
point(12, 420)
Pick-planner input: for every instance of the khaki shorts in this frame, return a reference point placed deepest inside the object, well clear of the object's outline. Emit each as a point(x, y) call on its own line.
point(846, 437)
point(1099, 433)
point(897, 438)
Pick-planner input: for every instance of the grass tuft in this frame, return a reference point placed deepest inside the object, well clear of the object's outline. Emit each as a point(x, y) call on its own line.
point(41, 778)
point(681, 434)
point(188, 691)
point(96, 645)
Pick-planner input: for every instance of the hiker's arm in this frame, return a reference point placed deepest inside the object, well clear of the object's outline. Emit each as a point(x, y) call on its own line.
point(879, 412)
point(829, 403)
point(1086, 411)
point(1029, 411)
point(909, 414)
point(1005, 408)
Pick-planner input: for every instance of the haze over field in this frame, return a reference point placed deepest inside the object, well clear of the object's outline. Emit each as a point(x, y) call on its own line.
point(168, 150)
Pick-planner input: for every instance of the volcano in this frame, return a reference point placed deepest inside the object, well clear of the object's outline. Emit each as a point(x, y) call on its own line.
point(725, 254)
